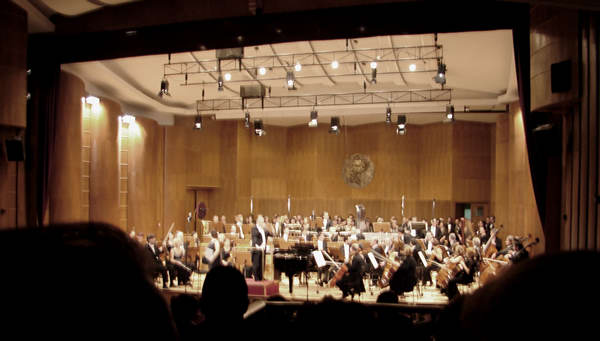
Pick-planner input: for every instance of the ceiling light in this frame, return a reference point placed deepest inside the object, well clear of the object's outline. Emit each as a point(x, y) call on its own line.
point(259, 129)
point(440, 77)
point(298, 67)
point(412, 67)
point(227, 77)
point(291, 80)
point(335, 64)
point(334, 128)
point(128, 119)
point(450, 112)
point(220, 83)
point(373, 65)
point(401, 130)
point(313, 119)
point(198, 122)
point(164, 88)
point(388, 116)
point(92, 100)
point(247, 120)
point(262, 71)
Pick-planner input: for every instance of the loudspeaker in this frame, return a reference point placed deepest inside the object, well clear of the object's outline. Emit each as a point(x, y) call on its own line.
point(14, 150)
point(560, 76)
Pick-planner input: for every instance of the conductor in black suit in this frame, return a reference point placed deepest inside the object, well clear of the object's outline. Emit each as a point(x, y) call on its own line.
point(259, 244)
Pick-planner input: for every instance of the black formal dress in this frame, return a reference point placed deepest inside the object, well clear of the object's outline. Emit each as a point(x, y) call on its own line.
point(352, 282)
point(405, 278)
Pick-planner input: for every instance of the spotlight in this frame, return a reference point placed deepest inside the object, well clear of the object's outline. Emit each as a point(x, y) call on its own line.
point(198, 122)
point(228, 76)
point(262, 71)
point(259, 128)
point(334, 128)
point(374, 76)
point(291, 80)
point(450, 112)
point(373, 65)
point(388, 116)
point(164, 88)
point(313, 119)
point(412, 67)
point(335, 64)
point(401, 130)
point(298, 67)
point(440, 77)
point(247, 120)
point(220, 83)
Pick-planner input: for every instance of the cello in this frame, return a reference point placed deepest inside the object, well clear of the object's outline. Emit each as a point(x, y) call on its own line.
point(339, 274)
point(388, 271)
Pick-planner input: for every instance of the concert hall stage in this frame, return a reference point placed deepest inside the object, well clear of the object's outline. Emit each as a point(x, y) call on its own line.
point(420, 296)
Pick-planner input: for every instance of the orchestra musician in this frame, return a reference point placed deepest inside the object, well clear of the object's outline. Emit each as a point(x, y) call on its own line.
point(405, 277)
point(467, 266)
point(177, 257)
point(157, 267)
point(213, 251)
point(352, 283)
point(226, 251)
point(239, 221)
point(259, 245)
point(345, 249)
point(327, 223)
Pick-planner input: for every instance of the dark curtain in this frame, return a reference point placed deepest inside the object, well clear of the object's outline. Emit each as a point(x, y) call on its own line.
point(42, 83)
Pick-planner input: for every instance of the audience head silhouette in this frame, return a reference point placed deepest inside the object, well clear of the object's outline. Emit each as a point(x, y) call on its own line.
point(224, 295)
point(71, 281)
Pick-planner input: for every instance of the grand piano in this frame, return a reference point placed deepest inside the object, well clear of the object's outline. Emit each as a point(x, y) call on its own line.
point(296, 260)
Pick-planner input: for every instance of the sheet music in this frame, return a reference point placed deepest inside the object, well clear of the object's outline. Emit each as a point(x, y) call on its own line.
point(373, 260)
point(319, 259)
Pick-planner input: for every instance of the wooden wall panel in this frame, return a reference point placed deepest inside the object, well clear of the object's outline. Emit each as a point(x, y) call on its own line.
point(553, 38)
point(13, 68)
point(145, 176)
point(471, 162)
point(499, 207)
point(104, 170)
point(222, 200)
point(192, 157)
point(435, 163)
point(580, 228)
point(64, 185)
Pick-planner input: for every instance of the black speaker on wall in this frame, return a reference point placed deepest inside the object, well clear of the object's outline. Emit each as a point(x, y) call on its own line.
point(560, 76)
point(14, 149)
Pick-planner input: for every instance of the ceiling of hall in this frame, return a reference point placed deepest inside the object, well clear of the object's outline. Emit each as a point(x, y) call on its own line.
point(480, 75)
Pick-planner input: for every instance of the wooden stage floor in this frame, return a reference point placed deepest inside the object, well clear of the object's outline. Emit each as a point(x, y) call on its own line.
point(422, 295)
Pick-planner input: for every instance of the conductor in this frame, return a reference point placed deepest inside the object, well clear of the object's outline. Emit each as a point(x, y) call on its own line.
point(259, 244)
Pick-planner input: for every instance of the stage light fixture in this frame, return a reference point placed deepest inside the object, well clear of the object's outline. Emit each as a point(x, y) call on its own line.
point(291, 80)
point(262, 71)
point(247, 119)
point(440, 77)
point(374, 76)
point(373, 65)
point(412, 67)
point(298, 67)
point(164, 88)
point(313, 119)
point(227, 77)
point(334, 127)
point(259, 129)
point(450, 112)
point(220, 83)
point(401, 129)
point(388, 116)
point(335, 64)
point(198, 122)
